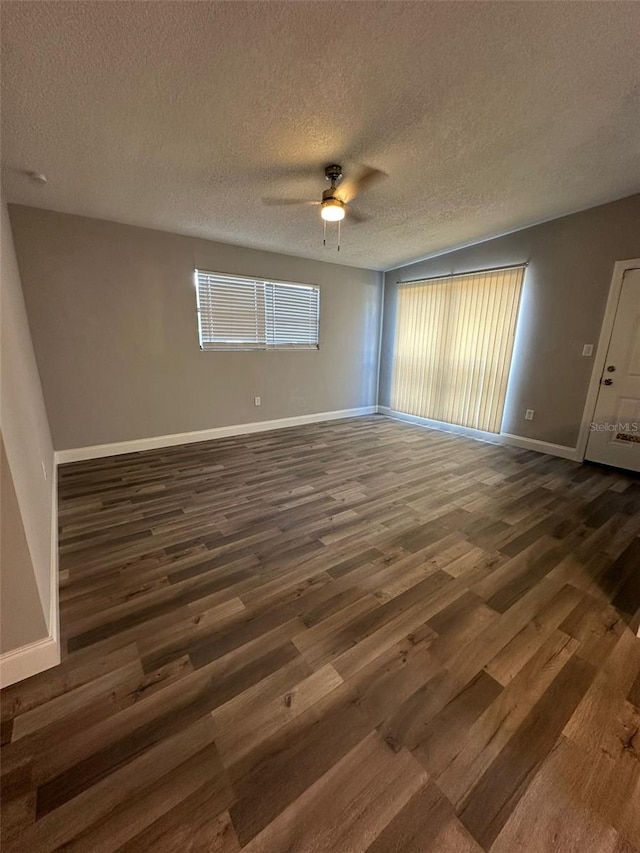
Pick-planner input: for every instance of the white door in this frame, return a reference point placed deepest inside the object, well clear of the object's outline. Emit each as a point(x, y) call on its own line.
point(614, 437)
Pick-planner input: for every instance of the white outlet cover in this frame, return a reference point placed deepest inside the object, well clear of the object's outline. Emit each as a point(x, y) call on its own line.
point(528, 415)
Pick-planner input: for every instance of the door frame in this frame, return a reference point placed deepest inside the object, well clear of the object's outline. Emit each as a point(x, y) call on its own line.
point(615, 289)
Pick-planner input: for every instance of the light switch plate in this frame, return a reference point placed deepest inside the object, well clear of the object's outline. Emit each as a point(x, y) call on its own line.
point(587, 350)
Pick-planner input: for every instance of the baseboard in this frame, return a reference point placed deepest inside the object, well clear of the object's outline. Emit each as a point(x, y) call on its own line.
point(98, 451)
point(505, 438)
point(441, 426)
point(547, 447)
point(28, 660)
point(35, 657)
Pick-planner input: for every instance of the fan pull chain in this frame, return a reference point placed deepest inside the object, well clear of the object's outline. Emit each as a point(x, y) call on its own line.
point(324, 233)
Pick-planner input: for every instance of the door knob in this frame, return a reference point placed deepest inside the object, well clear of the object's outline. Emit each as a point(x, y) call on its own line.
point(611, 368)
point(607, 381)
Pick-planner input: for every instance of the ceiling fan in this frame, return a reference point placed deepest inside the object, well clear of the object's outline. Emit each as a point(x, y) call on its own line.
point(336, 201)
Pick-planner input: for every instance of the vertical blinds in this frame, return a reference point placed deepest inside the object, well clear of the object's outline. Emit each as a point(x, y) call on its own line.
point(453, 347)
point(235, 312)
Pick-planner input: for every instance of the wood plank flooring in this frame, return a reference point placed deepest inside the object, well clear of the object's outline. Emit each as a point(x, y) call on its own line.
point(351, 636)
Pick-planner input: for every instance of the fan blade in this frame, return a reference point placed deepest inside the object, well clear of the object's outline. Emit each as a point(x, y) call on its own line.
point(355, 216)
point(273, 202)
point(351, 187)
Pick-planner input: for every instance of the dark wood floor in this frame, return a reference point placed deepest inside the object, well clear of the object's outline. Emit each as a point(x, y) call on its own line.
point(354, 636)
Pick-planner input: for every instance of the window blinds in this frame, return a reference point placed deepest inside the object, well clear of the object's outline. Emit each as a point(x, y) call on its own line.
point(241, 313)
point(453, 347)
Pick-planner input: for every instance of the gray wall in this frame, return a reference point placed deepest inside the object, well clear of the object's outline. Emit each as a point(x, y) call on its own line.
point(25, 574)
point(21, 616)
point(113, 316)
point(564, 296)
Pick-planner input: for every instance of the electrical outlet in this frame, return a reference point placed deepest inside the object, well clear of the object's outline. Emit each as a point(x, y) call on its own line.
point(44, 470)
point(257, 401)
point(587, 350)
point(528, 415)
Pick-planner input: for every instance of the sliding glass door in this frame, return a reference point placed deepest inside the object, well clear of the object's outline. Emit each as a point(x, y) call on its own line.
point(453, 347)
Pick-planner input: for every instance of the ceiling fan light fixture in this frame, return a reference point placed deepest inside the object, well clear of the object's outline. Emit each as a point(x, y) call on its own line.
point(332, 210)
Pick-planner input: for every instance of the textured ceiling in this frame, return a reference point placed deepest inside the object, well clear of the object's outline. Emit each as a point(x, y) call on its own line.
point(181, 116)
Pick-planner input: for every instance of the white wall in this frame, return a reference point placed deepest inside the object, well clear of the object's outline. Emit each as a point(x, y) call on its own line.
point(27, 441)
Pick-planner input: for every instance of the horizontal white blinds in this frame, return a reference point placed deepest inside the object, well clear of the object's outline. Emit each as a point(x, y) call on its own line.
point(291, 315)
point(235, 312)
point(231, 312)
point(453, 347)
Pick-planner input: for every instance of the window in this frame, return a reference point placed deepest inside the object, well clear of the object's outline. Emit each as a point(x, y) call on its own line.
point(238, 313)
point(453, 346)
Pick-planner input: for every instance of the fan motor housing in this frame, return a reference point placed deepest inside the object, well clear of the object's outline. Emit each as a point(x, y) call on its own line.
point(329, 195)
